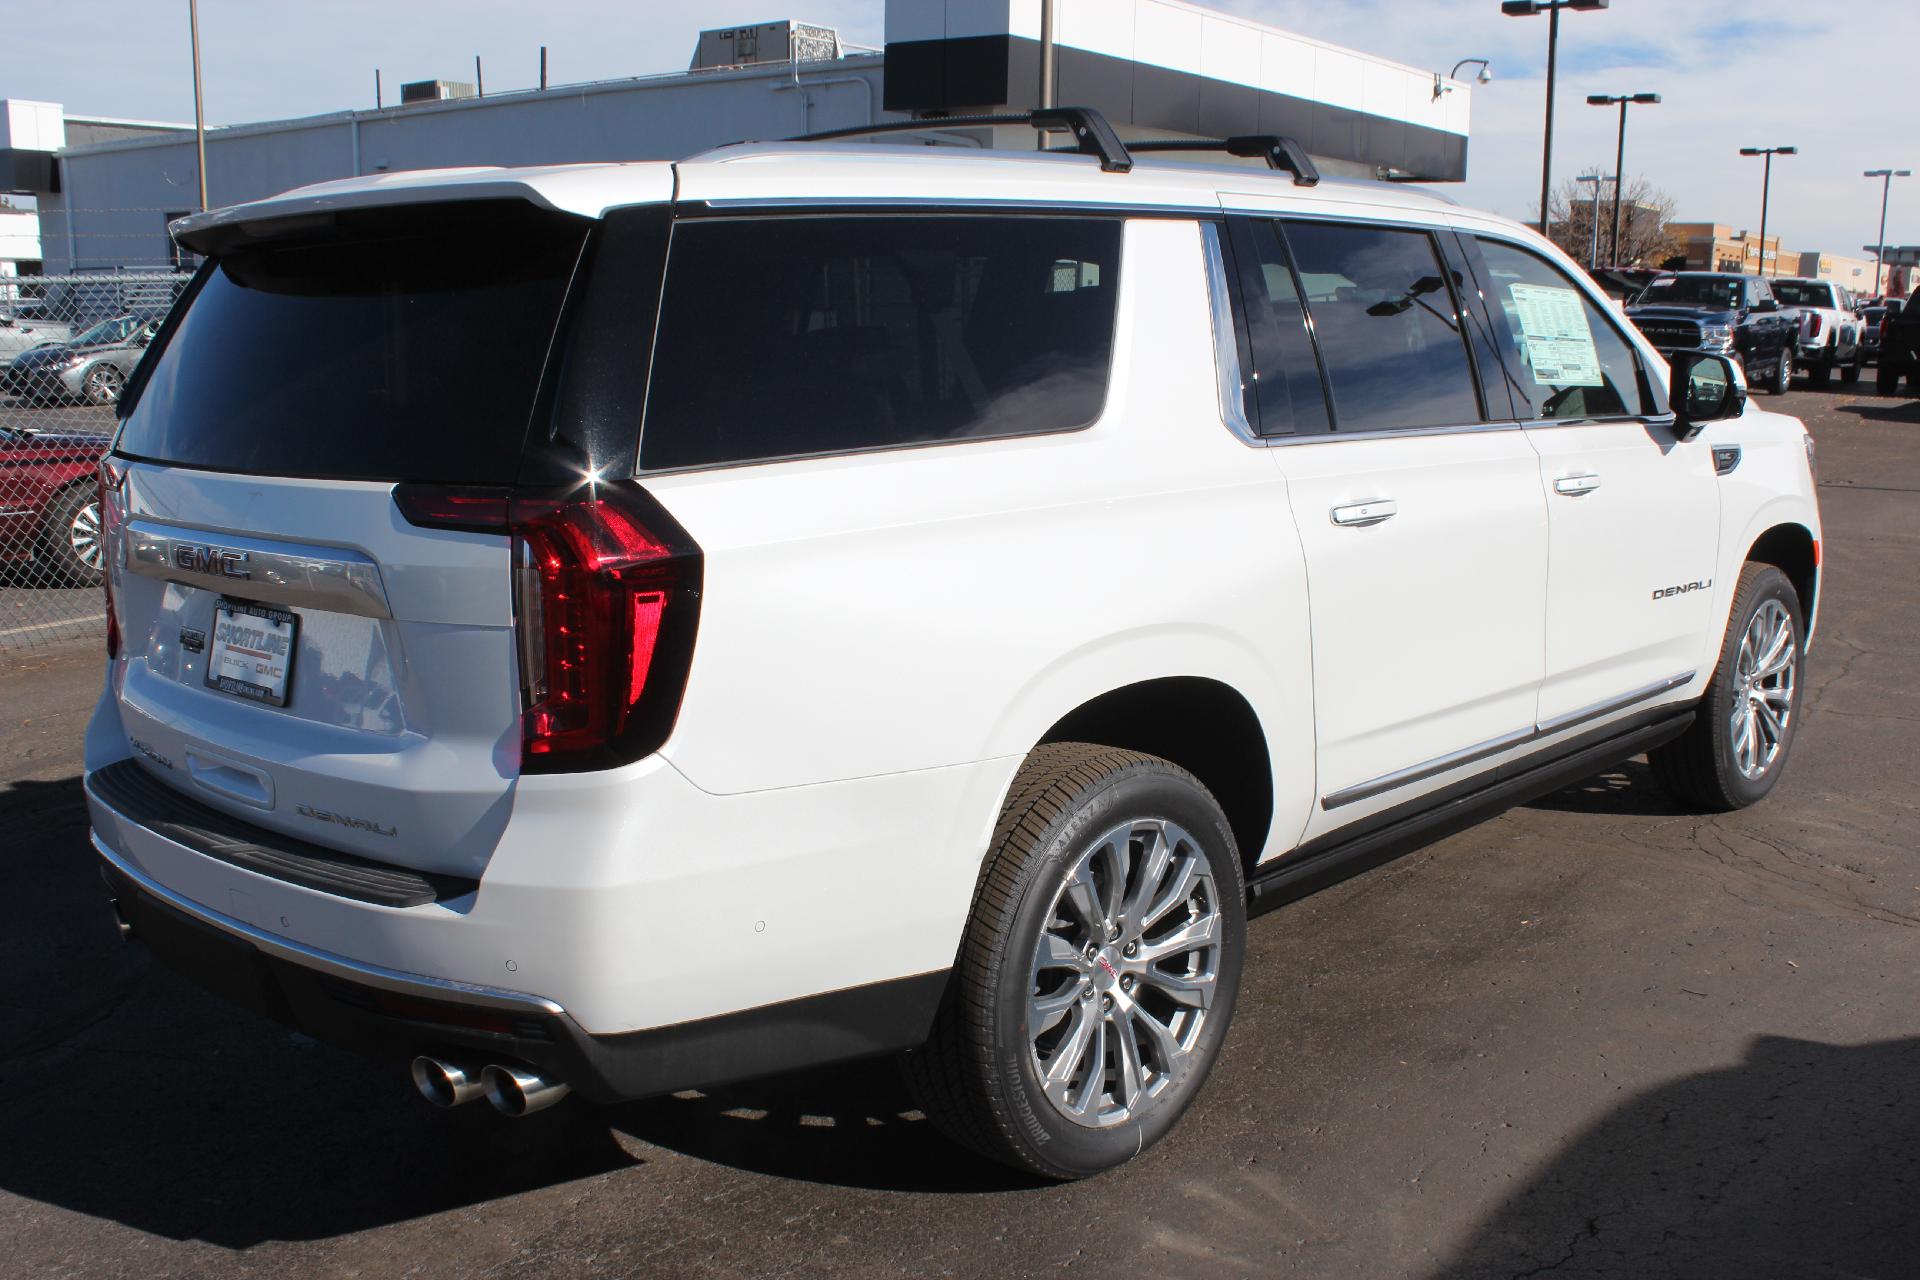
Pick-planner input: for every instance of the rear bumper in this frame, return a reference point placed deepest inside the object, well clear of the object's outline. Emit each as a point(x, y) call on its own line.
point(388, 1013)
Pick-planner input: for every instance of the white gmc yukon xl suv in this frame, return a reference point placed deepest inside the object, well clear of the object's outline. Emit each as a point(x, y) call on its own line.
point(621, 628)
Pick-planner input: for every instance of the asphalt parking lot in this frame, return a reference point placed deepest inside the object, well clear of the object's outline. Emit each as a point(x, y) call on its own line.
point(1595, 1036)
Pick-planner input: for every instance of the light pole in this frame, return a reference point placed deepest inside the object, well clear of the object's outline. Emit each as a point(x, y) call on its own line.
point(199, 113)
point(1880, 243)
point(1598, 180)
point(1620, 150)
point(1766, 187)
point(1552, 8)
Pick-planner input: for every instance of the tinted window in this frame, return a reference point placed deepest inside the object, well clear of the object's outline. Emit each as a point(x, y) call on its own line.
point(1285, 392)
point(1567, 357)
point(1804, 293)
point(1387, 324)
point(1716, 291)
point(786, 336)
point(389, 345)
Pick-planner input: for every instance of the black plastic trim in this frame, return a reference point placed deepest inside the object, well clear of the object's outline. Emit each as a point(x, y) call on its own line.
point(130, 791)
point(1384, 836)
point(837, 1026)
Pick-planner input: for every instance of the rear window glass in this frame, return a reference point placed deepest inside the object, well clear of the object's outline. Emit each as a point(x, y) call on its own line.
point(781, 337)
point(391, 344)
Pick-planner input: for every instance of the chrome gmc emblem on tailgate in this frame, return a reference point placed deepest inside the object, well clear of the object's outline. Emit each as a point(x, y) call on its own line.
point(216, 560)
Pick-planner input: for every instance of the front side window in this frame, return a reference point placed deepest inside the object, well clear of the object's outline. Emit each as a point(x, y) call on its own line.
point(1569, 359)
point(789, 336)
point(1388, 326)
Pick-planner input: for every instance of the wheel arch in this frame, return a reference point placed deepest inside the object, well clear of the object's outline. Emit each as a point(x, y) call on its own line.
point(1791, 548)
point(1205, 726)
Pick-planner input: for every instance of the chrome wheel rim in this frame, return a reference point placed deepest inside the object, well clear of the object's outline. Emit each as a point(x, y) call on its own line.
point(103, 384)
point(1125, 973)
point(83, 535)
point(1763, 677)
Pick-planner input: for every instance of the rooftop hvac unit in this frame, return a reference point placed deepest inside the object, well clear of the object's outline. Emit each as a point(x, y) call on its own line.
point(765, 42)
point(433, 91)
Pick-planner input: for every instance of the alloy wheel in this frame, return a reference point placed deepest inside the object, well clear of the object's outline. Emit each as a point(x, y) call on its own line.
point(1763, 677)
point(1125, 972)
point(83, 536)
point(103, 384)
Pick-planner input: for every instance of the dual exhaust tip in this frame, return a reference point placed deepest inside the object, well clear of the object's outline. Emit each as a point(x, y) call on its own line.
point(513, 1091)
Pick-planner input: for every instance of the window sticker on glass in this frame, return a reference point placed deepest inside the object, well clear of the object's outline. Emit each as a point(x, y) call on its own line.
point(1553, 328)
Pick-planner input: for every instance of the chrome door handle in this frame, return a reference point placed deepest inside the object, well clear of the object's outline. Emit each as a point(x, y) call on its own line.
point(1574, 486)
point(1358, 515)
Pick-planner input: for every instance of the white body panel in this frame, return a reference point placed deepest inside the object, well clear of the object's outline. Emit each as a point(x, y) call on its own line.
point(884, 636)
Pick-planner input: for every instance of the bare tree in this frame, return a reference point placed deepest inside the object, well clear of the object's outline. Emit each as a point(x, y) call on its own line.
point(1645, 211)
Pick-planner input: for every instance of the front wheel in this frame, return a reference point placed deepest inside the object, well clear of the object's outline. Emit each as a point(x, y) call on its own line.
point(1736, 749)
point(1781, 375)
point(102, 384)
point(1098, 971)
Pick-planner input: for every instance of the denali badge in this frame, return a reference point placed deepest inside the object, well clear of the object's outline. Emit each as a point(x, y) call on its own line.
point(150, 753)
point(342, 820)
point(216, 560)
point(1682, 589)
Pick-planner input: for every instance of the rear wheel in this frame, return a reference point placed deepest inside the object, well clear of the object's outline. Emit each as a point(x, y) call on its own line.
point(70, 535)
point(1736, 749)
point(1851, 374)
point(102, 384)
point(1098, 971)
point(1819, 375)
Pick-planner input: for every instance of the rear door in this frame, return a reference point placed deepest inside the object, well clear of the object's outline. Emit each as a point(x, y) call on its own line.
point(293, 651)
point(1634, 513)
point(1422, 525)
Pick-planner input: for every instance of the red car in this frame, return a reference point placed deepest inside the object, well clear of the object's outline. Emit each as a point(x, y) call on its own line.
point(49, 509)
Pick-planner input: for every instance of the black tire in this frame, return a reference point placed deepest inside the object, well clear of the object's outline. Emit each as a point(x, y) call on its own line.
point(69, 517)
point(1851, 374)
point(1886, 379)
point(1781, 376)
point(1819, 375)
point(102, 384)
point(977, 1077)
point(1700, 766)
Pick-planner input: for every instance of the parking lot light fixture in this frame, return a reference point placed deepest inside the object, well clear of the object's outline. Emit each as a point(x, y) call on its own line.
point(1766, 188)
point(1886, 177)
point(1552, 8)
point(1624, 100)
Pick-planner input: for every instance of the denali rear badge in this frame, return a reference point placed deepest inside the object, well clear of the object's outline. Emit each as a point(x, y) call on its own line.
point(1682, 589)
point(342, 820)
point(216, 560)
point(150, 753)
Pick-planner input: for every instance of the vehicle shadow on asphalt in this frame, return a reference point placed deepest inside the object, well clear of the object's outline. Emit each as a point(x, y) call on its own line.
point(1802, 1160)
point(1626, 790)
point(854, 1125)
point(137, 1098)
point(1889, 410)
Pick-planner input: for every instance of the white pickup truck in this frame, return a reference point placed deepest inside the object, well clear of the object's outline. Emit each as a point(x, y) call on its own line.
point(1831, 330)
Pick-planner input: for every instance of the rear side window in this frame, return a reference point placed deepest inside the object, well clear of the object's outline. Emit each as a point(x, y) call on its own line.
point(1388, 326)
point(1285, 394)
point(1568, 358)
point(781, 337)
point(391, 344)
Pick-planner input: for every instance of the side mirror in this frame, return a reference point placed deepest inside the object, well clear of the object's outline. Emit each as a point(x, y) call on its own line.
point(1705, 387)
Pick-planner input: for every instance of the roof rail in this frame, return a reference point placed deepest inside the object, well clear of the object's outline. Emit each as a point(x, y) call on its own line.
point(1279, 151)
point(1092, 135)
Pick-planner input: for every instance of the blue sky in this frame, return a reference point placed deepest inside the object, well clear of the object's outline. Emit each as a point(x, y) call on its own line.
point(1733, 73)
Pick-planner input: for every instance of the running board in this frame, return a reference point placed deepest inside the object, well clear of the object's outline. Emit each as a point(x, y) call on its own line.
point(1340, 855)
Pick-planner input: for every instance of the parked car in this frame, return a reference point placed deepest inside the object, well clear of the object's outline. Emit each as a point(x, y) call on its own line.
point(49, 505)
point(1871, 317)
point(1736, 315)
point(1830, 329)
point(1899, 351)
point(22, 329)
point(93, 367)
point(927, 610)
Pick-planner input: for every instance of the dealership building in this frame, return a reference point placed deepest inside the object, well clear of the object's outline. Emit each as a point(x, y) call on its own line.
point(1155, 68)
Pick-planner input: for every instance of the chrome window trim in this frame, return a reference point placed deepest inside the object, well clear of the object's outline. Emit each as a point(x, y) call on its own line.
point(1232, 385)
point(339, 966)
point(336, 580)
point(1494, 746)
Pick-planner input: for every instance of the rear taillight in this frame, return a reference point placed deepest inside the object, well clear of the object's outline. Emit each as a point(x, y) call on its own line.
point(606, 592)
point(112, 479)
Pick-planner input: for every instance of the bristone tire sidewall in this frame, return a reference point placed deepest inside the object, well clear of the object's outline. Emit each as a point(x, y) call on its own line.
point(1720, 698)
point(1053, 1139)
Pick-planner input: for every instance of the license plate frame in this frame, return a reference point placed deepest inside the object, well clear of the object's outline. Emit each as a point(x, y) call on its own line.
point(229, 664)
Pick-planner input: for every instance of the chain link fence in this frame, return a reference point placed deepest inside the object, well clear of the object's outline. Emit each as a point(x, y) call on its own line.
point(68, 344)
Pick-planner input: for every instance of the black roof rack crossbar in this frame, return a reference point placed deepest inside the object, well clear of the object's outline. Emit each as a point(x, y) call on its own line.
point(1092, 135)
point(1280, 152)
